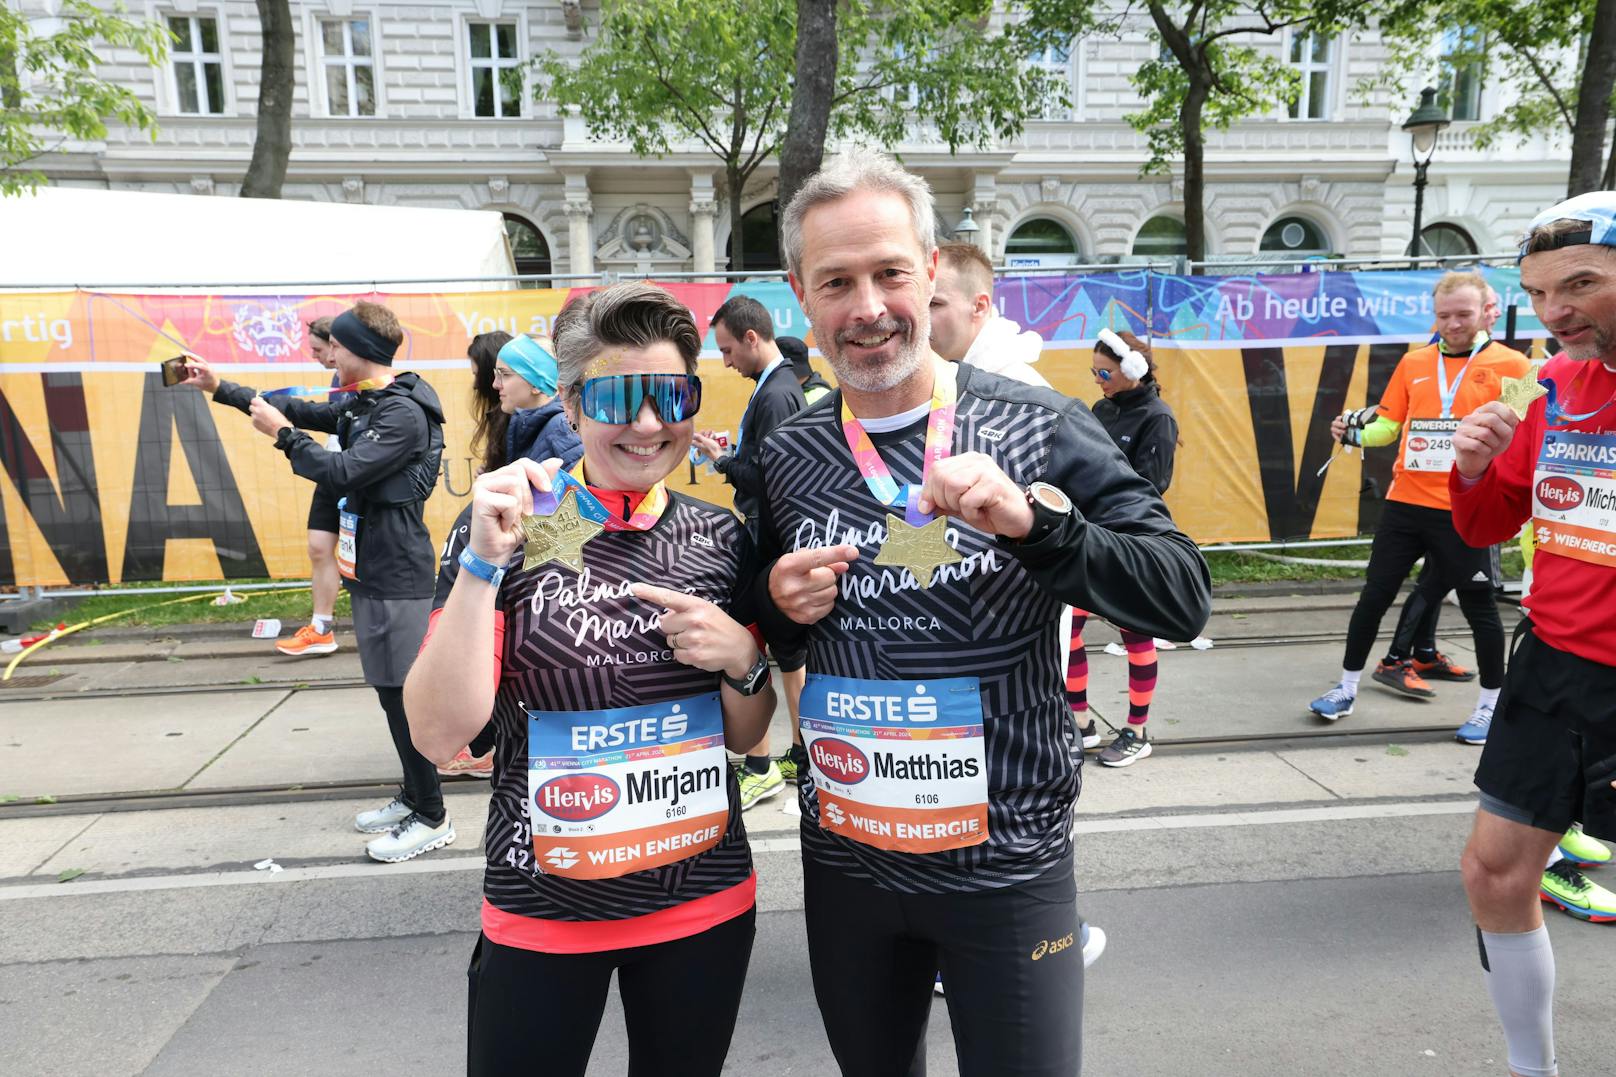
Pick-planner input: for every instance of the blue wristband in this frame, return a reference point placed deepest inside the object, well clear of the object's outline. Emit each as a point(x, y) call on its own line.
point(483, 570)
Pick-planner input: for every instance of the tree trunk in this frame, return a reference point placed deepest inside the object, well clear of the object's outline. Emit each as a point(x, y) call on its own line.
point(273, 144)
point(815, 86)
point(1593, 102)
point(732, 180)
point(1189, 119)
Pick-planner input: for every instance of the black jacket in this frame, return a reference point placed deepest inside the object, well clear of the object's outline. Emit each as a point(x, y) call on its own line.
point(772, 403)
point(1118, 554)
point(1143, 426)
point(392, 445)
point(541, 434)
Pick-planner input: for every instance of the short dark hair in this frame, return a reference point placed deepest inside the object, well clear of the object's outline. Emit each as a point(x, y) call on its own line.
point(378, 319)
point(1552, 235)
point(741, 314)
point(970, 263)
point(632, 314)
point(321, 327)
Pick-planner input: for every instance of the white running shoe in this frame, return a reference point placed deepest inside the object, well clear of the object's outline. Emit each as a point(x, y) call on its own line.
point(1093, 939)
point(381, 820)
point(409, 839)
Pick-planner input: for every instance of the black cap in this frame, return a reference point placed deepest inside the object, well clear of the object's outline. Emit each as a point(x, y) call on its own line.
point(796, 353)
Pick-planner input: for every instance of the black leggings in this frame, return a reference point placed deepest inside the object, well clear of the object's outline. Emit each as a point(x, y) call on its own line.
point(1407, 533)
point(536, 1013)
point(422, 791)
point(1011, 959)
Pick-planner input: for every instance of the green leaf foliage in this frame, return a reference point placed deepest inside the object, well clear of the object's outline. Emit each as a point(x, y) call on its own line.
point(664, 73)
point(50, 89)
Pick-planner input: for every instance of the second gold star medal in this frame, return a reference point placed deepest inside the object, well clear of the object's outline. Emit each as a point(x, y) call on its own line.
point(916, 541)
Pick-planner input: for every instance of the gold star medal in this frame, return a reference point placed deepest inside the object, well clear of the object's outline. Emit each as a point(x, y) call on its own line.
point(1518, 393)
point(559, 536)
point(922, 550)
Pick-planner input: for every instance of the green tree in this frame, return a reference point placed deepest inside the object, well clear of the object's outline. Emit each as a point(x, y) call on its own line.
point(721, 74)
point(50, 92)
point(1207, 73)
point(1557, 56)
point(272, 145)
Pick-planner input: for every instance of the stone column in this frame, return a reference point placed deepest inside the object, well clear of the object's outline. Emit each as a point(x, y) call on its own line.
point(703, 209)
point(580, 235)
point(984, 202)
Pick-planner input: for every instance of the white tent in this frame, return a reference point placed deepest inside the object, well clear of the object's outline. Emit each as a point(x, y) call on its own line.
point(91, 237)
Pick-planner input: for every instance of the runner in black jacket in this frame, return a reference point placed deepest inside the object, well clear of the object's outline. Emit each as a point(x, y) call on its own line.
point(391, 429)
point(934, 521)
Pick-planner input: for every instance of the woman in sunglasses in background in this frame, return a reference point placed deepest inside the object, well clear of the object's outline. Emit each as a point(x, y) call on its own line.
point(1144, 428)
point(614, 838)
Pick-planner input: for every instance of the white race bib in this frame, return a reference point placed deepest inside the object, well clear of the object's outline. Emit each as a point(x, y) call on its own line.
point(1429, 445)
point(618, 791)
point(898, 765)
point(1574, 496)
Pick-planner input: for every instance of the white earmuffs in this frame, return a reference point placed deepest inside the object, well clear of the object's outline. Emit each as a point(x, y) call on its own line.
point(1134, 365)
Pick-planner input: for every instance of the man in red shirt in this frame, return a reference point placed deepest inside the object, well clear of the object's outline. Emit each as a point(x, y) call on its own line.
point(1551, 756)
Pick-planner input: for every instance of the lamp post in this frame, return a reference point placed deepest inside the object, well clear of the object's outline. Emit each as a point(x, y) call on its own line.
point(1426, 122)
point(966, 230)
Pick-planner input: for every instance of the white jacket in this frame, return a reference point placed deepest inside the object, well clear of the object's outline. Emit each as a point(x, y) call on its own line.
point(1003, 347)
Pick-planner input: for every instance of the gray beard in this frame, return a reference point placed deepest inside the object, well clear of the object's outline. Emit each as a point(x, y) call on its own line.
point(1603, 348)
point(912, 354)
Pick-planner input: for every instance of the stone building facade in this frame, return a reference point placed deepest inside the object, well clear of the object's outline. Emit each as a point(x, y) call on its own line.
point(400, 103)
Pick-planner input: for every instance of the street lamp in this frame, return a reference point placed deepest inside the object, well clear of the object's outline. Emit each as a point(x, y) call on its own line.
point(1423, 126)
point(966, 230)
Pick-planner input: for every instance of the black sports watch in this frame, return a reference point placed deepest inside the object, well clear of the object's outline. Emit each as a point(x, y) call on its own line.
point(752, 682)
point(1050, 508)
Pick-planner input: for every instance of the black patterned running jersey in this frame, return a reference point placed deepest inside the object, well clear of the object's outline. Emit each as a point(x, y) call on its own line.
point(984, 617)
point(580, 642)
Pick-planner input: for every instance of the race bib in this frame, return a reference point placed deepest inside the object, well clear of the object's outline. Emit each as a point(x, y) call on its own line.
point(898, 765)
point(618, 791)
point(1574, 496)
point(1429, 445)
point(347, 541)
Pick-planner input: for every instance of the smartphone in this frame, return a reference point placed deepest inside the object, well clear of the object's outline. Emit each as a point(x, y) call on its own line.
point(174, 370)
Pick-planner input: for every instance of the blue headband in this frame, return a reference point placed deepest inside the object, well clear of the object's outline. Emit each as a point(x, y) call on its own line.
point(1596, 208)
point(361, 339)
point(532, 362)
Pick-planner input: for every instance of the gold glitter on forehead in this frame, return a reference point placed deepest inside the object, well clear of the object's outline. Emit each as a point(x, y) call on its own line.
point(600, 364)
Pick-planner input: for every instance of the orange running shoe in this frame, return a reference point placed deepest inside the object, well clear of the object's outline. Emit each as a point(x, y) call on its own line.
point(466, 763)
point(1400, 676)
point(1443, 668)
point(307, 641)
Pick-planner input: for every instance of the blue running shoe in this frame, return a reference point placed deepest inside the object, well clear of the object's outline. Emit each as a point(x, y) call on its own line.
point(1475, 730)
point(1334, 704)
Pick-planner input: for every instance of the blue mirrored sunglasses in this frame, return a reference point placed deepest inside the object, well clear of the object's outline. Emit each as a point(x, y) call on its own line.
point(617, 399)
point(1102, 373)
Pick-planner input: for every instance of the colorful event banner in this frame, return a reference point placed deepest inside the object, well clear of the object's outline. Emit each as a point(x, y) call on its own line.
point(110, 477)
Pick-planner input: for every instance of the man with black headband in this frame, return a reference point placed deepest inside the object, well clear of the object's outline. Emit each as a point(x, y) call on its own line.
point(1545, 452)
point(391, 430)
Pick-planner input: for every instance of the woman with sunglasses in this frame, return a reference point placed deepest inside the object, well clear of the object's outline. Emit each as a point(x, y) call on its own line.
point(513, 401)
point(614, 838)
point(1144, 428)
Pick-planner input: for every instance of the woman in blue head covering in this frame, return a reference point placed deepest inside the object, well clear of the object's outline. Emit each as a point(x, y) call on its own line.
point(525, 377)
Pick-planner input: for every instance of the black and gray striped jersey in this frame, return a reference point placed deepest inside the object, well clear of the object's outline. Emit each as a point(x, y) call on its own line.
point(579, 642)
point(994, 616)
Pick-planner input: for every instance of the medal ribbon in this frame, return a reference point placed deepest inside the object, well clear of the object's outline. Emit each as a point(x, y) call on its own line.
point(1446, 392)
point(939, 446)
point(590, 507)
point(314, 390)
point(1553, 415)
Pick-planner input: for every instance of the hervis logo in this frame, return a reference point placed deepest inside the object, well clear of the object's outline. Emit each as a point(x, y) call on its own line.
point(1418, 444)
point(1559, 493)
point(839, 761)
point(577, 797)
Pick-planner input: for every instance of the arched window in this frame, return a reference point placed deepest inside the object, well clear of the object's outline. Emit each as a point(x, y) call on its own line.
point(760, 238)
point(1161, 237)
point(1041, 241)
point(528, 248)
point(1294, 235)
point(1444, 240)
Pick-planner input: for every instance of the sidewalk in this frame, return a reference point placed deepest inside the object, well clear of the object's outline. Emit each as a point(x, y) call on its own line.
point(196, 711)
